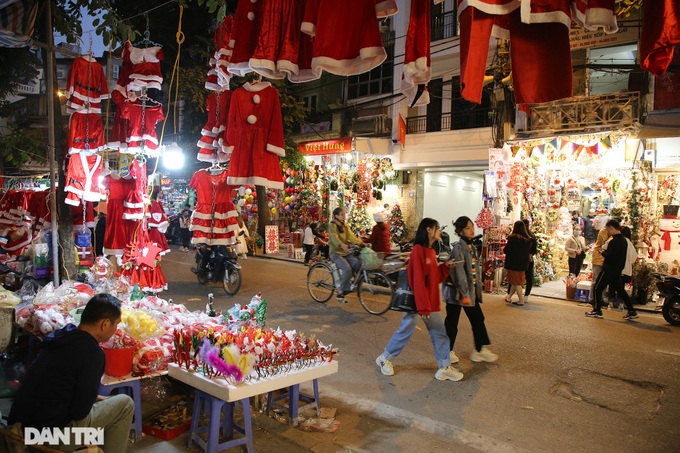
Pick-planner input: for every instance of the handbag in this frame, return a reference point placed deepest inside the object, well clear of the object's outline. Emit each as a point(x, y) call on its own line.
point(403, 298)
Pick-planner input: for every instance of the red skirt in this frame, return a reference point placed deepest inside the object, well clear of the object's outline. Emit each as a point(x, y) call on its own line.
point(516, 277)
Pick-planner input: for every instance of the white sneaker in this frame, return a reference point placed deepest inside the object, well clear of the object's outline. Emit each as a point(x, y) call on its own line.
point(483, 356)
point(526, 298)
point(454, 357)
point(448, 374)
point(385, 365)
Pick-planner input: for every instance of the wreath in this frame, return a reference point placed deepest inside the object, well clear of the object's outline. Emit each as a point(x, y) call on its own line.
point(552, 215)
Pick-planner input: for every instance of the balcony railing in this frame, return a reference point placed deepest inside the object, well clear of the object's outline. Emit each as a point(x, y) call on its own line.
point(467, 119)
point(585, 113)
point(444, 26)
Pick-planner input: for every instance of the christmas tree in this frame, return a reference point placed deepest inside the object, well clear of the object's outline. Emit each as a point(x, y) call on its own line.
point(397, 228)
point(543, 267)
point(359, 221)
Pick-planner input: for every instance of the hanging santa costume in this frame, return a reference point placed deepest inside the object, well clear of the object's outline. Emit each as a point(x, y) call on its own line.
point(82, 178)
point(346, 34)
point(213, 221)
point(142, 136)
point(119, 232)
point(146, 66)
point(660, 35)
point(86, 85)
point(218, 76)
point(158, 224)
point(417, 64)
point(136, 199)
point(210, 146)
point(85, 132)
point(244, 37)
point(255, 136)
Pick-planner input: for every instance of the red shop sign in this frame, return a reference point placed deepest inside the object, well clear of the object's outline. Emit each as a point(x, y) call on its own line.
point(337, 146)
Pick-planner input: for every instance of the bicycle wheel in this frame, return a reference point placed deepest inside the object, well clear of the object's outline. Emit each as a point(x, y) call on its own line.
point(375, 292)
point(320, 282)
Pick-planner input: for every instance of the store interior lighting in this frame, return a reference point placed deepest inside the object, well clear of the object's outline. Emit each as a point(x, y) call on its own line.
point(173, 158)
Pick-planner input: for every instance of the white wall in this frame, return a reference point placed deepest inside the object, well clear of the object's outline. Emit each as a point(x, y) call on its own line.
point(448, 197)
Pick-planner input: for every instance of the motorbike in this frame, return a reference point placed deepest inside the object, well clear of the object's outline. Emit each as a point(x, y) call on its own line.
point(669, 290)
point(218, 263)
point(172, 234)
point(443, 246)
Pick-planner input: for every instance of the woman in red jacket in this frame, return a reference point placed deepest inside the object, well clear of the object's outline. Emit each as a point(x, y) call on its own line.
point(424, 277)
point(380, 235)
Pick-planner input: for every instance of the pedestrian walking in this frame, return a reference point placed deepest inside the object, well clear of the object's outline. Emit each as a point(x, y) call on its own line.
point(340, 241)
point(184, 224)
point(614, 262)
point(597, 261)
point(463, 290)
point(242, 235)
point(575, 246)
point(529, 273)
point(424, 277)
point(308, 241)
point(517, 251)
point(589, 230)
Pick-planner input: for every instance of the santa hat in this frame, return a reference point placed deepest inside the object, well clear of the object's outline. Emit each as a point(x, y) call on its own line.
point(379, 217)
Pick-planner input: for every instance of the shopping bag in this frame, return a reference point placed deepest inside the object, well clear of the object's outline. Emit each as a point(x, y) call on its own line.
point(403, 299)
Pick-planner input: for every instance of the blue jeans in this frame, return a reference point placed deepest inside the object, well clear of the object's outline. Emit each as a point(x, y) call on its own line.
point(435, 325)
point(346, 264)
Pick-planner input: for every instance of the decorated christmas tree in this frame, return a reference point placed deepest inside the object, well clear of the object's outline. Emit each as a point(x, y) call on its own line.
point(397, 227)
point(543, 267)
point(359, 221)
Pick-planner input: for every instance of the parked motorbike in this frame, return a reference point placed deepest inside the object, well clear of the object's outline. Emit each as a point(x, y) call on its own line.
point(218, 263)
point(669, 290)
point(443, 246)
point(172, 234)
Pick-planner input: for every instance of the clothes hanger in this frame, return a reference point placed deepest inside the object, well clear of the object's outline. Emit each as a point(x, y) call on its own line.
point(146, 42)
point(215, 169)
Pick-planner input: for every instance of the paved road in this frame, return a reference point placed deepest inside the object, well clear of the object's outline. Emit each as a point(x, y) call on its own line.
point(563, 382)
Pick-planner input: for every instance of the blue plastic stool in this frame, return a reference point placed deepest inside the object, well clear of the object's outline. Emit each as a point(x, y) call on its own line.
point(294, 397)
point(133, 390)
point(214, 408)
point(582, 294)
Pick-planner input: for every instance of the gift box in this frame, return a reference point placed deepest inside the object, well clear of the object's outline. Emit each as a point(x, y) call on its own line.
point(168, 423)
point(299, 253)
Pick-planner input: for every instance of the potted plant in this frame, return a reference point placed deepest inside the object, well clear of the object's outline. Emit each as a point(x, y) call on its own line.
point(259, 245)
point(643, 281)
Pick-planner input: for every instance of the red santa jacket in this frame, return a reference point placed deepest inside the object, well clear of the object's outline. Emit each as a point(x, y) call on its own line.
point(424, 277)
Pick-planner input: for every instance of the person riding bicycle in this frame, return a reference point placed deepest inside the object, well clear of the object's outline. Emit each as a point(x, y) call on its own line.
point(340, 241)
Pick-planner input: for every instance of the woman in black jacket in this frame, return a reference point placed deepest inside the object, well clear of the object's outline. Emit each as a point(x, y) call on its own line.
point(517, 251)
point(529, 273)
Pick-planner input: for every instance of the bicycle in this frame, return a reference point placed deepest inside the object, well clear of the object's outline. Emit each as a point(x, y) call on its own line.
point(373, 286)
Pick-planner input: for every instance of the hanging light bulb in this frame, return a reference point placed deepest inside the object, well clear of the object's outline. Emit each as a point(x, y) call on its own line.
point(173, 158)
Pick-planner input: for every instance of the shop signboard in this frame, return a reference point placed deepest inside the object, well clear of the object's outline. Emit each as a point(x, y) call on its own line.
point(335, 146)
point(580, 38)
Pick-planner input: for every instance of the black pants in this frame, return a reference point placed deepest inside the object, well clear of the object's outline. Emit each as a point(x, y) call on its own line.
point(476, 318)
point(575, 264)
point(185, 234)
point(308, 251)
point(615, 283)
point(529, 277)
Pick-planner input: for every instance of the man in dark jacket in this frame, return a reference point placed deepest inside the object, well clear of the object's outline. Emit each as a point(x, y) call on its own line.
point(61, 385)
point(614, 261)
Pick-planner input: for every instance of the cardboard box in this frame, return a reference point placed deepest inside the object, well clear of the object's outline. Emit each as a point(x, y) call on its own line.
point(169, 423)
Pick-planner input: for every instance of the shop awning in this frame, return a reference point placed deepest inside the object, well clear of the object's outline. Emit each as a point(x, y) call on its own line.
point(661, 123)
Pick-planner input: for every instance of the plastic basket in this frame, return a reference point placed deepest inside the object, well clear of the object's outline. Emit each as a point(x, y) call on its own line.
point(372, 260)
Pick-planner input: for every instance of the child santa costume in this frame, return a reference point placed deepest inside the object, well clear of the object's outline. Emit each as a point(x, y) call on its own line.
point(86, 85)
point(158, 224)
point(213, 221)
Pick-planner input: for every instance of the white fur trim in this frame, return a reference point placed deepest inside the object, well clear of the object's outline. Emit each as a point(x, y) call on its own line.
point(251, 16)
point(216, 215)
point(221, 241)
point(303, 75)
point(252, 119)
point(276, 150)
point(308, 28)
point(112, 251)
point(500, 32)
point(417, 72)
point(369, 58)
point(239, 69)
point(255, 180)
point(256, 99)
point(481, 5)
point(543, 18)
point(212, 230)
point(255, 87)
point(386, 8)
point(601, 18)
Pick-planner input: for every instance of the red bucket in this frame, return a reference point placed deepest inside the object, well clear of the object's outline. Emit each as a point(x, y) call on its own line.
point(118, 361)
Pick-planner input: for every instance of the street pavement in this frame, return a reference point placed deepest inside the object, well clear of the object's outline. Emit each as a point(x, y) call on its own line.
point(563, 382)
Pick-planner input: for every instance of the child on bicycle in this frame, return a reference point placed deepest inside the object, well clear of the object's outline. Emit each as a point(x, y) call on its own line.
point(340, 240)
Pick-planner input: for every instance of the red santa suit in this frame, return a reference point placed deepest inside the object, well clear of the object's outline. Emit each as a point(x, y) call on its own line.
point(136, 199)
point(82, 179)
point(83, 214)
point(244, 37)
point(86, 85)
point(255, 136)
point(158, 224)
point(213, 221)
point(19, 238)
point(218, 76)
point(660, 34)
point(346, 34)
point(210, 146)
point(119, 232)
point(142, 120)
point(417, 64)
point(85, 132)
point(146, 66)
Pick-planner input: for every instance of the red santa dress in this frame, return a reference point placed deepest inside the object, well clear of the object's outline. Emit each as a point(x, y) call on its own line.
point(85, 132)
point(158, 224)
point(210, 146)
point(119, 232)
point(146, 66)
point(218, 76)
point(213, 221)
point(137, 199)
point(82, 178)
point(346, 35)
point(244, 37)
point(142, 137)
point(255, 136)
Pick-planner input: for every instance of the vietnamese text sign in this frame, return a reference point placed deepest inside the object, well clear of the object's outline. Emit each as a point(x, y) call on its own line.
point(580, 38)
point(336, 146)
